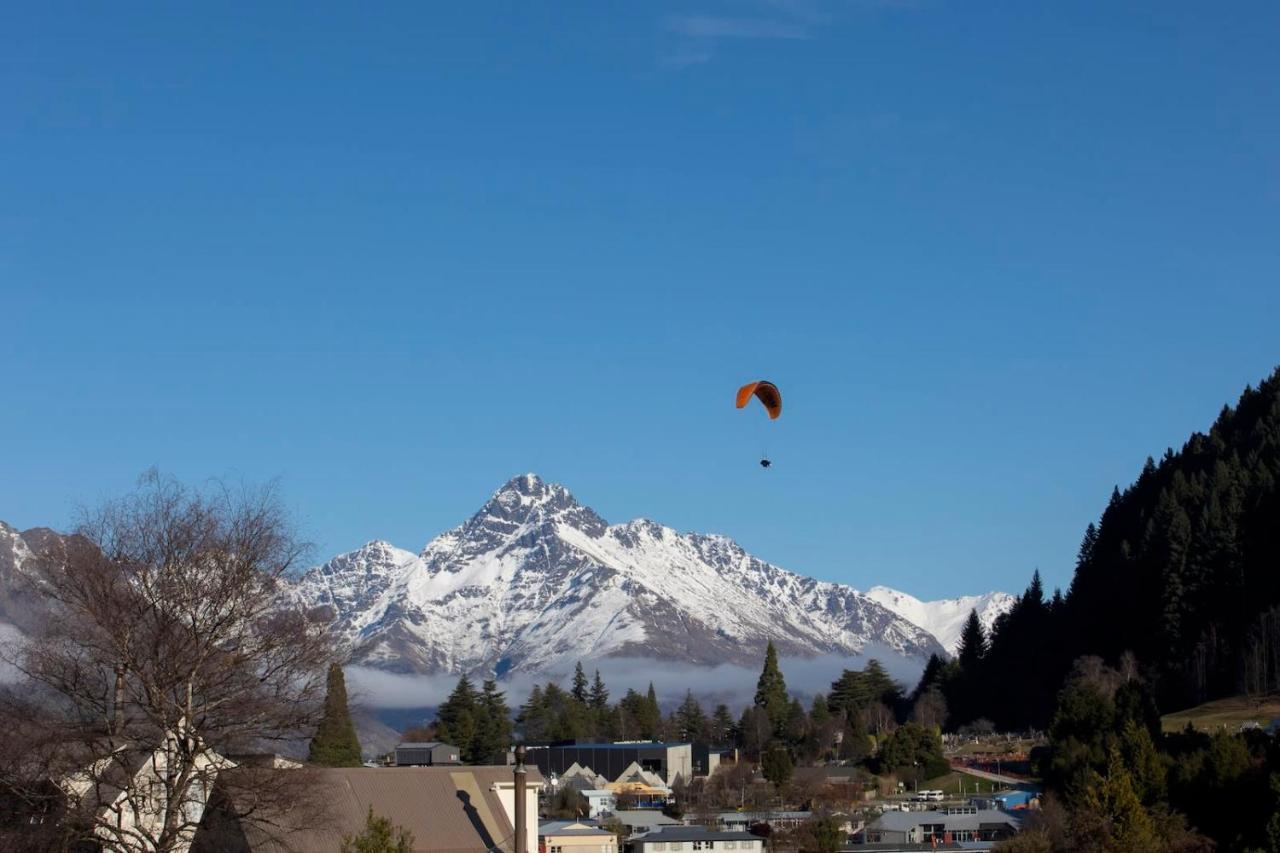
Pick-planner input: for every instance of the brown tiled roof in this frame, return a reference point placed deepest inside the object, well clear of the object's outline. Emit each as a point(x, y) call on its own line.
point(448, 810)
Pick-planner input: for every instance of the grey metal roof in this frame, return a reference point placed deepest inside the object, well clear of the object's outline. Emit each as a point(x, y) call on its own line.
point(644, 817)
point(906, 821)
point(430, 744)
point(764, 817)
point(695, 833)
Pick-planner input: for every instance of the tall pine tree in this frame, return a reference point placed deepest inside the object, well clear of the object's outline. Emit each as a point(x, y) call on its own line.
point(973, 643)
point(456, 719)
point(580, 689)
point(771, 691)
point(599, 697)
point(335, 743)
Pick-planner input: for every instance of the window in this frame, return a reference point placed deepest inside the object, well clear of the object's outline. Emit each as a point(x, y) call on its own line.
point(731, 845)
point(658, 846)
point(704, 845)
point(675, 845)
point(556, 848)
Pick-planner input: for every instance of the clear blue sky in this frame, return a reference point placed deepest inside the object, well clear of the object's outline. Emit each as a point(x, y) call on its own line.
point(995, 254)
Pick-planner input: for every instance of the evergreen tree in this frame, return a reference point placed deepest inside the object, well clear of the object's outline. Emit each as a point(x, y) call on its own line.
point(796, 728)
point(776, 765)
point(534, 721)
point(456, 719)
point(771, 690)
point(379, 836)
point(599, 698)
point(652, 719)
point(493, 728)
point(973, 643)
point(722, 726)
point(1125, 820)
point(819, 712)
point(335, 743)
point(690, 720)
point(580, 690)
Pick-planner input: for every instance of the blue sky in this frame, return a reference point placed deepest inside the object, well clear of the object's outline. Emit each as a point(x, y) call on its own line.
point(995, 254)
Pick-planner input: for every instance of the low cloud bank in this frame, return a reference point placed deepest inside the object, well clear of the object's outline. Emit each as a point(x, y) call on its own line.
point(734, 685)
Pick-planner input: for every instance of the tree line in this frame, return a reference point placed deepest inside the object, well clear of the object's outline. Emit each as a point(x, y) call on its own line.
point(1179, 575)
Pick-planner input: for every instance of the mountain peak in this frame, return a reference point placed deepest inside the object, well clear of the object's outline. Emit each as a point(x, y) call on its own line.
point(522, 497)
point(530, 488)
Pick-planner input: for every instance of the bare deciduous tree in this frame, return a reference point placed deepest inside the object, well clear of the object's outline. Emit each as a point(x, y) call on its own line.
point(169, 646)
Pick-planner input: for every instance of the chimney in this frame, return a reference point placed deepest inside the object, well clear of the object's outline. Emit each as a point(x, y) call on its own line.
point(522, 820)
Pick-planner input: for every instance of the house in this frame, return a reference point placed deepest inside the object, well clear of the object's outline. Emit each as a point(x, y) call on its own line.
point(599, 802)
point(940, 827)
point(743, 821)
point(568, 836)
point(667, 761)
point(447, 809)
point(579, 778)
point(641, 787)
point(707, 758)
point(127, 796)
point(690, 839)
point(427, 754)
point(643, 821)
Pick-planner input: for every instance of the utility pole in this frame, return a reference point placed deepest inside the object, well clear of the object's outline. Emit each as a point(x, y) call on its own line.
point(522, 820)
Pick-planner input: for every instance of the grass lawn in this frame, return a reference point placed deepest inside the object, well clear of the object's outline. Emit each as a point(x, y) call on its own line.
point(957, 784)
point(1229, 713)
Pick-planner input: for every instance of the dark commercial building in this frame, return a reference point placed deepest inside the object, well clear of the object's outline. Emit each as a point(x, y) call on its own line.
point(611, 760)
point(427, 754)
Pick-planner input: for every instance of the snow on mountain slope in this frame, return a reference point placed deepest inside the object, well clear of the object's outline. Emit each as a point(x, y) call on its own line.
point(945, 618)
point(536, 580)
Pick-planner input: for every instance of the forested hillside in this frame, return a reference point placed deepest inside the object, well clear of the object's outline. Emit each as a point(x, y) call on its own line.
point(1184, 567)
point(1179, 581)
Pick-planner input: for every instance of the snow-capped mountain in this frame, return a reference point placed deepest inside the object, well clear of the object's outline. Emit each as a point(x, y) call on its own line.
point(944, 618)
point(21, 553)
point(536, 580)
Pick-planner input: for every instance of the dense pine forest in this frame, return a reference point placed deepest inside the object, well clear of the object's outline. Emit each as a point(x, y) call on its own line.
point(1178, 582)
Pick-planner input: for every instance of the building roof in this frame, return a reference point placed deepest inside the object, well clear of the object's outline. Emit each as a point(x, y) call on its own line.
point(763, 816)
point(448, 810)
point(644, 817)
point(634, 745)
point(571, 828)
point(695, 833)
point(969, 819)
point(428, 744)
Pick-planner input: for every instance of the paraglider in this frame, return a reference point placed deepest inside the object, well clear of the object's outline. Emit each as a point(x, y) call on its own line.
point(769, 396)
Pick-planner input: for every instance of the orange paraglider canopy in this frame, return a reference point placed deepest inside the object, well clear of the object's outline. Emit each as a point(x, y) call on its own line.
point(766, 392)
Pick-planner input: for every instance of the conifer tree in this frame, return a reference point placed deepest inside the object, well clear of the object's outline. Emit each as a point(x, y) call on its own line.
point(599, 697)
point(533, 718)
point(722, 726)
point(689, 718)
point(776, 765)
point(380, 836)
point(335, 743)
point(819, 712)
point(579, 690)
point(456, 719)
point(771, 690)
point(651, 722)
point(493, 726)
point(1114, 799)
point(973, 643)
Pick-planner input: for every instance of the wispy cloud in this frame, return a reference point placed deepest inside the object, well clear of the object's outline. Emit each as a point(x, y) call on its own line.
point(733, 685)
point(694, 37)
point(719, 27)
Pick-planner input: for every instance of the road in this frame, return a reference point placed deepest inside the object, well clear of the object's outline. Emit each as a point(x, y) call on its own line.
point(1011, 781)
